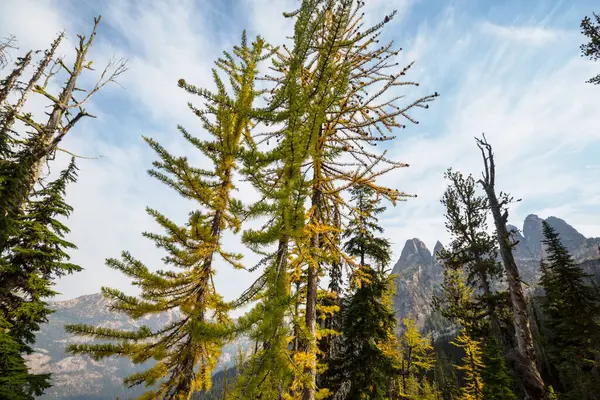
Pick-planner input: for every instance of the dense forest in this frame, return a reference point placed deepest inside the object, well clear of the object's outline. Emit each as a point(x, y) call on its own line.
point(303, 134)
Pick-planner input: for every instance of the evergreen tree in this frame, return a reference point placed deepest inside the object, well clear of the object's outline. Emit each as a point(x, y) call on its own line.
point(445, 377)
point(495, 377)
point(368, 318)
point(188, 349)
point(591, 29)
point(363, 363)
point(33, 248)
point(475, 251)
point(572, 307)
point(361, 240)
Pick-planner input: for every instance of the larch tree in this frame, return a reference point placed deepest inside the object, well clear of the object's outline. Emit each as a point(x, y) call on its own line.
point(524, 357)
point(326, 128)
point(472, 367)
point(187, 350)
point(591, 29)
point(415, 357)
point(33, 245)
point(571, 303)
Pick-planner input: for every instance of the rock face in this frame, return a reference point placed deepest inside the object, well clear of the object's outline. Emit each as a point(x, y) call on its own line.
point(79, 377)
point(420, 273)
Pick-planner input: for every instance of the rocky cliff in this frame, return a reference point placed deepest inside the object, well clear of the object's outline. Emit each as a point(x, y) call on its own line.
point(420, 274)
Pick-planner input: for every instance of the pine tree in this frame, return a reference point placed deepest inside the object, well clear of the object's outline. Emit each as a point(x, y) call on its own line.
point(188, 349)
point(363, 363)
point(495, 377)
point(473, 250)
point(572, 307)
point(591, 29)
point(33, 248)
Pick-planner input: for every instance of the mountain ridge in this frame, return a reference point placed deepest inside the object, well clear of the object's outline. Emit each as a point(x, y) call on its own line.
point(419, 275)
point(419, 272)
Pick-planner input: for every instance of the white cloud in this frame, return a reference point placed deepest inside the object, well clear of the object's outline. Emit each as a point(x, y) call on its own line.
point(534, 106)
point(535, 35)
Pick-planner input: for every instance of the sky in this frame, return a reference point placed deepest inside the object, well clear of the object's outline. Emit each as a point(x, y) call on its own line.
point(511, 69)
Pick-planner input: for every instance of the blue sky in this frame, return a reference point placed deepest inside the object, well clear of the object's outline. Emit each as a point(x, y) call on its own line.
point(511, 69)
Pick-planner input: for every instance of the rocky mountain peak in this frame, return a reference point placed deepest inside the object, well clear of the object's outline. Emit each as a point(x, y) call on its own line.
point(414, 253)
point(437, 248)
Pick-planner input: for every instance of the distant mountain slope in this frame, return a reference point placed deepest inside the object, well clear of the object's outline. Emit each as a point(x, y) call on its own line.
point(420, 273)
point(79, 377)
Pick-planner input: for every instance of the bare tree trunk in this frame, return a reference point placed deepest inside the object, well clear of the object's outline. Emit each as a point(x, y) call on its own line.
point(13, 111)
point(525, 355)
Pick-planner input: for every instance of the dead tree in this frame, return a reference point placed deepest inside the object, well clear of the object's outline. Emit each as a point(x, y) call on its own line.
point(66, 109)
point(523, 358)
point(25, 155)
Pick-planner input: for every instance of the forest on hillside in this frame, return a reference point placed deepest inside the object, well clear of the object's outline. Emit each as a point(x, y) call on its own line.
point(304, 135)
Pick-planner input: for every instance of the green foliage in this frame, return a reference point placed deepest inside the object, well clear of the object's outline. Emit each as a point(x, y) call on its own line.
point(474, 251)
point(16, 383)
point(362, 228)
point(365, 361)
point(591, 29)
point(496, 380)
point(571, 305)
point(187, 350)
point(34, 254)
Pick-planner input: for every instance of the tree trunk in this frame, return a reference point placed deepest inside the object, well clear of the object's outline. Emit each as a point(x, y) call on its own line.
point(312, 287)
point(525, 355)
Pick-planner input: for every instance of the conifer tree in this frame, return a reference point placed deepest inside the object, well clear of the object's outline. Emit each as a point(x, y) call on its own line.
point(497, 382)
point(591, 29)
point(572, 307)
point(368, 318)
point(36, 256)
point(188, 349)
point(363, 364)
point(472, 249)
point(362, 242)
point(33, 248)
point(415, 357)
point(472, 366)
point(328, 115)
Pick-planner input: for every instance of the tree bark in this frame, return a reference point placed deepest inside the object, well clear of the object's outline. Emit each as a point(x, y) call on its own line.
point(525, 355)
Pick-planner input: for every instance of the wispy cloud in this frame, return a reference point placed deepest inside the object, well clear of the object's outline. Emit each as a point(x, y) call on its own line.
point(530, 99)
point(535, 35)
